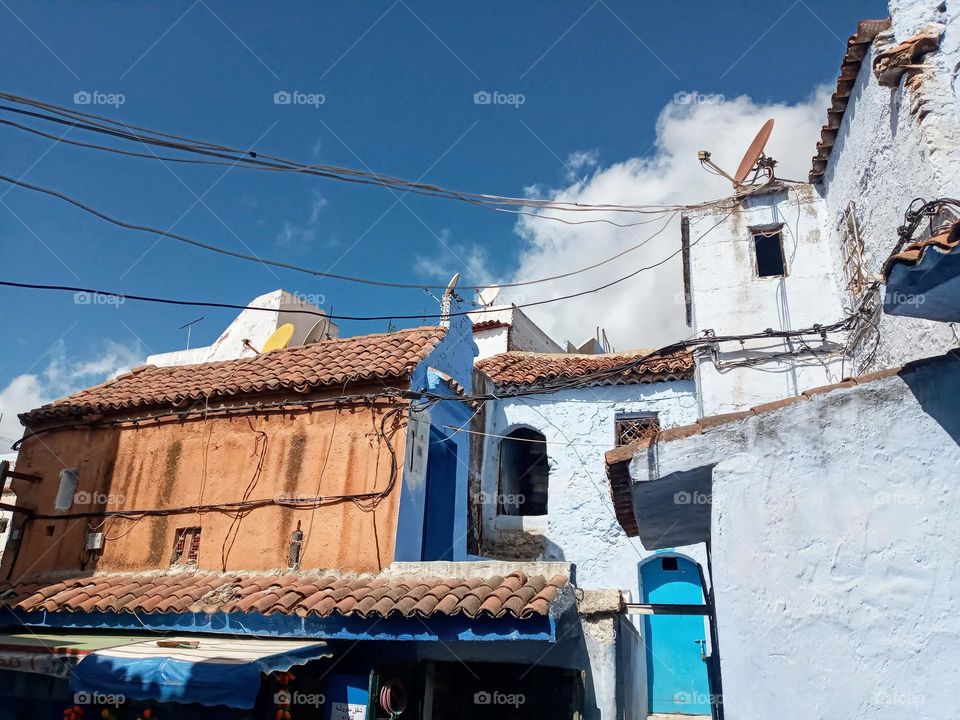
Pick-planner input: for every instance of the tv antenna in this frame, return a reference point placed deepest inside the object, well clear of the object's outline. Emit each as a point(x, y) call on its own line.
point(754, 161)
point(188, 327)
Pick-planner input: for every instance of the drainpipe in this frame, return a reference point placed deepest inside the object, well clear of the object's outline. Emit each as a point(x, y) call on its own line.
point(713, 661)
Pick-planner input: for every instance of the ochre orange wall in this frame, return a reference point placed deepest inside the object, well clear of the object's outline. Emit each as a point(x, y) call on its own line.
point(210, 461)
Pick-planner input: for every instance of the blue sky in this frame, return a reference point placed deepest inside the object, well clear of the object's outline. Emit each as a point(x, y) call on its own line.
point(398, 82)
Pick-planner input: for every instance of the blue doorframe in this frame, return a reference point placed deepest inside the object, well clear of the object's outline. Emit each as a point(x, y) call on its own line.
point(676, 672)
point(440, 502)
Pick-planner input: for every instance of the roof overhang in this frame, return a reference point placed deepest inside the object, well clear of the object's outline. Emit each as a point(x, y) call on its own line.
point(928, 287)
point(674, 510)
point(191, 669)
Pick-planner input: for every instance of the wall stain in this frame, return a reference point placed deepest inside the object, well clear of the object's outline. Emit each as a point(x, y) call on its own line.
point(158, 531)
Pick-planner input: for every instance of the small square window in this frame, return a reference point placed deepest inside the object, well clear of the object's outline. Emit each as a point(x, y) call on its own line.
point(768, 247)
point(670, 564)
point(4, 524)
point(636, 427)
point(186, 546)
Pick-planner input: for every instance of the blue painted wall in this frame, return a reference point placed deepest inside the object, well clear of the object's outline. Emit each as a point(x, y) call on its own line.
point(454, 357)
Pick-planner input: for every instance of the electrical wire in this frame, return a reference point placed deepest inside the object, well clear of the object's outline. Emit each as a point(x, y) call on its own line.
point(310, 271)
point(248, 158)
point(233, 306)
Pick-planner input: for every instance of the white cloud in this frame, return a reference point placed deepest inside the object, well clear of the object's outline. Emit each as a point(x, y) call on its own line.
point(61, 376)
point(580, 161)
point(453, 257)
point(294, 236)
point(642, 311)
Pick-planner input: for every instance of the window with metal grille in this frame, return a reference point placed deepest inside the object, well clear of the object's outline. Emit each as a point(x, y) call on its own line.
point(853, 271)
point(630, 428)
point(186, 546)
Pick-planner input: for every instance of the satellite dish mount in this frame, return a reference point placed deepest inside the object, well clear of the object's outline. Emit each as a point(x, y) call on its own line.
point(755, 162)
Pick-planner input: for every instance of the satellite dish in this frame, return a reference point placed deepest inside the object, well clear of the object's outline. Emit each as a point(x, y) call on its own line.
point(318, 332)
point(753, 153)
point(488, 295)
point(279, 339)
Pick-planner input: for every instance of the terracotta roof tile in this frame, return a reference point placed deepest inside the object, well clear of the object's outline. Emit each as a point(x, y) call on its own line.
point(857, 46)
point(530, 368)
point(914, 252)
point(298, 369)
point(515, 595)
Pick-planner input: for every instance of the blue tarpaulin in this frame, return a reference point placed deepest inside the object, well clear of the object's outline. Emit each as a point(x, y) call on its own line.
point(202, 670)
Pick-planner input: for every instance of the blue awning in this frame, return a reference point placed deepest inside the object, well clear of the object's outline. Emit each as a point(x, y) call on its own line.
point(203, 670)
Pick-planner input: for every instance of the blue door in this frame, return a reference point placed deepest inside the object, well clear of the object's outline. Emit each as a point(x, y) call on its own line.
point(676, 671)
point(440, 502)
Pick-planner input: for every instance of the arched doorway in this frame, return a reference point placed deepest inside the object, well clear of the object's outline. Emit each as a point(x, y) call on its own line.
point(524, 473)
point(675, 644)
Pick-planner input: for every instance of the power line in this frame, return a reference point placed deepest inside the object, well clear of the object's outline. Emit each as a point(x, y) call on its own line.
point(233, 306)
point(302, 269)
point(100, 124)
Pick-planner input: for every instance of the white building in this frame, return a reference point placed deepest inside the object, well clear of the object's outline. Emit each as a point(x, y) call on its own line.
point(830, 492)
point(500, 328)
point(247, 334)
point(538, 493)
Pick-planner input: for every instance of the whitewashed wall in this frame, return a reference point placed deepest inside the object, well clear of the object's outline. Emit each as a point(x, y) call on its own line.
point(835, 535)
point(580, 525)
point(729, 298)
point(885, 156)
point(516, 332)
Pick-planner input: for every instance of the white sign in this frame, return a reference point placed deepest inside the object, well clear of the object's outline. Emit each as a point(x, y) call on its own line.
point(348, 711)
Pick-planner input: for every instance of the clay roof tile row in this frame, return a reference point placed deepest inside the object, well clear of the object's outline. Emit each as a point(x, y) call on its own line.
point(519, 369)
point(913, 253)
point(515, 595)
point(857, 47)
point(300, 369)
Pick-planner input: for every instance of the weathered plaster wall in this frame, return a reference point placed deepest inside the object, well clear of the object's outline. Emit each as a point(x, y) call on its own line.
point(729, 298)
point(580, 525)
point(885, 155)
point(834, 549)
point(176, 464)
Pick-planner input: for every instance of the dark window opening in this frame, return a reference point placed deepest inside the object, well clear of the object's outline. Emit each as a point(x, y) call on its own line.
point(186, 546)
point(50, 529)
point(769, 250)
point(637, 427)
point(524, 474)
point(669, 564)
